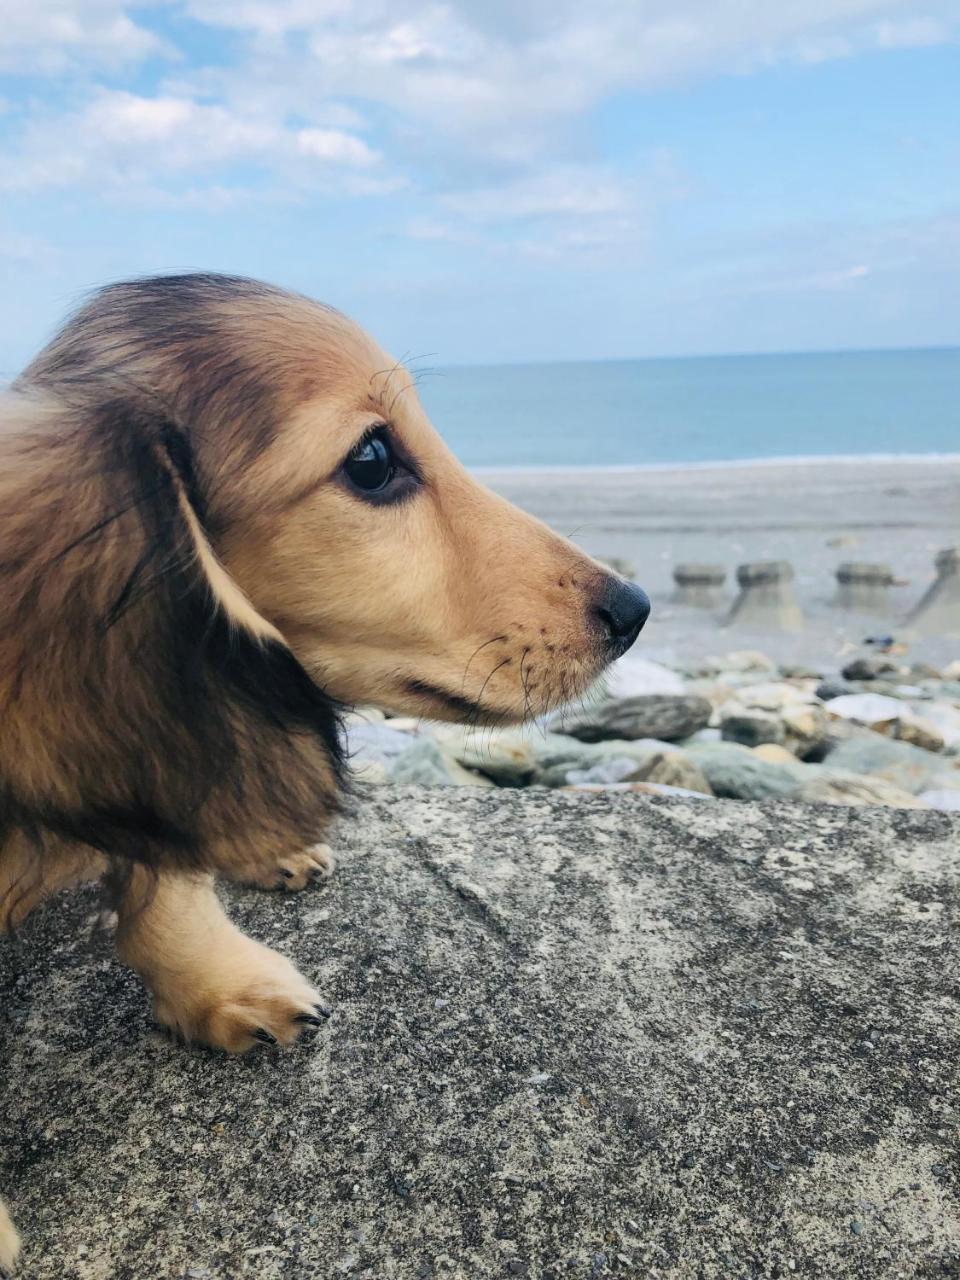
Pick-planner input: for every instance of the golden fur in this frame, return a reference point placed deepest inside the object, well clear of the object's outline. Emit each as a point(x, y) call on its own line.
point(190, 588)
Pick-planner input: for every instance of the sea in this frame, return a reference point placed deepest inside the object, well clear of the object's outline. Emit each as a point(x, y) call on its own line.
point(703, 409)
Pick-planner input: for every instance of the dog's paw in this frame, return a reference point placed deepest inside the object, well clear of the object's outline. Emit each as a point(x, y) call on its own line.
point(298, 870)
point(9, 1243)
point(245, 995)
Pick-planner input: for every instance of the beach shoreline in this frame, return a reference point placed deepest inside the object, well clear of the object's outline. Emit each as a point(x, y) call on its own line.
point(813, 512)
point(721, 464)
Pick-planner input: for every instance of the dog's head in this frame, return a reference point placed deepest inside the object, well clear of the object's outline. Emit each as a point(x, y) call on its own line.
point(326, 510)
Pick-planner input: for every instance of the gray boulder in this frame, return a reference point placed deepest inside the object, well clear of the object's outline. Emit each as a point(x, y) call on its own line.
point(606, 762)
point(736, 773)
point(667, 717)
point(901, 763)
point(752, 727)
point(428, 764)
point(836, 786)
point(375, 741)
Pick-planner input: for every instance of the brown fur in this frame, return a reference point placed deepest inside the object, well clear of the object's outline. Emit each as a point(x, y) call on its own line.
point(189, 590)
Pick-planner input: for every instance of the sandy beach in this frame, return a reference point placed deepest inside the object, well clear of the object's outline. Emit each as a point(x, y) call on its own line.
point(814, 513)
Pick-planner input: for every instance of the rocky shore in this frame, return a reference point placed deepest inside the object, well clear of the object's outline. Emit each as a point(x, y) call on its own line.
point(878, 731)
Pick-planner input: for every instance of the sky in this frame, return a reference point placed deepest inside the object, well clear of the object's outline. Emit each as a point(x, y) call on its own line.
point(496, 180)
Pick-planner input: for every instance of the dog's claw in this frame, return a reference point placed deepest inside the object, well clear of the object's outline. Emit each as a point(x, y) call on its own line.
point(286, 873)
point(323, 1011)
point(308, 1020)
point(263, 1036)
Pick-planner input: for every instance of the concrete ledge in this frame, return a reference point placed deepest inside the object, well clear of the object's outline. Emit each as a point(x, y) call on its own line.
point(573, 1035)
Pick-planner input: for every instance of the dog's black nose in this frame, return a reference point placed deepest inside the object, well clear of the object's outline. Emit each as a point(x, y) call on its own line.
point(623, 609)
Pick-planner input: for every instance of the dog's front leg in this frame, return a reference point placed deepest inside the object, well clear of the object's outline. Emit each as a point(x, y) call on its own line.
point(210, 982)
point(9, 1242)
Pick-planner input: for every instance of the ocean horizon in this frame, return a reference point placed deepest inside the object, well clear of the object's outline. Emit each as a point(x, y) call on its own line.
point(700, 410)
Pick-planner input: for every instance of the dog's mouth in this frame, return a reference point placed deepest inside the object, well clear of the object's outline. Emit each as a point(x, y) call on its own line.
point(535, 673)
point(454, 705)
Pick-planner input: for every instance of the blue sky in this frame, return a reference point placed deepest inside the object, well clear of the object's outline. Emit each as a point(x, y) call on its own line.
point(487, 180)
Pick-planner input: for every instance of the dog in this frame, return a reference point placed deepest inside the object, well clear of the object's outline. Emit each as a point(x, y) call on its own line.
point(224, 517)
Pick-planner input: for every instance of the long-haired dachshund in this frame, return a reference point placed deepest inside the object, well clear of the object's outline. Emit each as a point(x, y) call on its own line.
point(223, 516)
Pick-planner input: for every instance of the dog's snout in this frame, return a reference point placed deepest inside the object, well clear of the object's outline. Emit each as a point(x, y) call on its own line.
point(622, 610)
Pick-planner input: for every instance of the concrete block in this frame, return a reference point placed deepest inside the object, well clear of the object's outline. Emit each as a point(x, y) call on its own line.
point(938, 613)
point(699, 585)
point(767, 600)
point(863, 587)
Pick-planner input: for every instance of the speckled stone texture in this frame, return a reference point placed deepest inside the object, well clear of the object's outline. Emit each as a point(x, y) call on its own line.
point(573, 1036)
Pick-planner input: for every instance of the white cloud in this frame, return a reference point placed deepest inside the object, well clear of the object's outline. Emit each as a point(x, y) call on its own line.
point(479, 98)
point(53, 35)
point(484, 67)
point(336, 147)
point(123, 141)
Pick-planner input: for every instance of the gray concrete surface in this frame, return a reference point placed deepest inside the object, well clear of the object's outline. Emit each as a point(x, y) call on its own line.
point(572, 1036)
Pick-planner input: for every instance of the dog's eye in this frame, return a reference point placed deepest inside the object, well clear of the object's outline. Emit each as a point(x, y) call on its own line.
point(371, 466)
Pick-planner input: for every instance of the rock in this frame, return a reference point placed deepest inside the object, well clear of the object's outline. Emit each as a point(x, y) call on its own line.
point(752, 726)
point(778, 713)
point(919, 731)
point(603, 773)
point(806, 726)
point(828, 689)
point(508, 756)
point(868, 668)
point(744, 660)
point(871, 709)
point(907, 766)
point(924, 671)
point(907, 691)
point(666, 767)
point(564, 1026)
point(952, 671)
point(428, 763)
point(945, 717)
point(632, 677)
point(675, 769)
point(605, 763)
point(363, 715)
point(772, 753)
point(836, 786)
point(891, 717)
point(415, 725)
point(797, 671)
point(666, 717)
point(770, 695)
point(376, 741)
point(942, 799)
point(708, 734)
point(737, 773)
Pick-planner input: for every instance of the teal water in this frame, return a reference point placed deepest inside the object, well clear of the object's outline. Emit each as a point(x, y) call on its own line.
point(701, 409)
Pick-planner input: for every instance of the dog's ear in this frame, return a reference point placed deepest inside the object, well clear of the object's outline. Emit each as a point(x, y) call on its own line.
point(171, 448)
point(164, 719)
